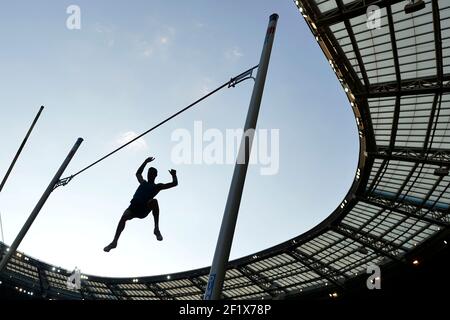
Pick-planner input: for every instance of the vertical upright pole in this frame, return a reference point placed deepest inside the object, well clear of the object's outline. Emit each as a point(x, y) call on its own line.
point(2, 184)
point(224, 242)
point(1, 227)
point(40, 204)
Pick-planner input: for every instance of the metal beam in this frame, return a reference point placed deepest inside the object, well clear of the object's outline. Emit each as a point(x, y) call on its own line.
point(384, 92)
point(300, 259)
point(351, 10)
point(355, 47)
point(394, 47)
point(398, 194)
point(198, 283)
point(269, 287)
point(408, 177)
point(43, 282)
point(201, 285)
point(379, 245)
point(369, 134)
point(405, 182)
point(338, 56)
point(408, 87)
point(86, 292)
point(439, 71)
point(432, 123)
point(433, 156)
point(394, 124)
point(333, 51)
point(328, 272)
point(431, 216)
point(397, 77)
point(425, 200)
point(345, 71)
point(116, 292)
point(437, 40)
point(159, 292)
point(378, 175)
point(82, 294)
point(335, 273)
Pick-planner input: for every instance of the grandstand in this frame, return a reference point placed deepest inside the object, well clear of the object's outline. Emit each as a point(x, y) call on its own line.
point(396, 214)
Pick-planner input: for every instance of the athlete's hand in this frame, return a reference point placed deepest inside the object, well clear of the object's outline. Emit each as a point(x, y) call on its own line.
point(149, 159)
point(173, 172)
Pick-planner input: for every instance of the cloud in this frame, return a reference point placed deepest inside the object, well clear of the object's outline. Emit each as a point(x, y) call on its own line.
point(147, 50)
point(138, 145)
point(199, 24)
point(233, 54)
point(110, 43)
point(167, 35)
point(101, 28)
point(106, 32)
point(144, 47)
point(204, 90)
point(158, 45)
point(171, 31)
point(205, 86)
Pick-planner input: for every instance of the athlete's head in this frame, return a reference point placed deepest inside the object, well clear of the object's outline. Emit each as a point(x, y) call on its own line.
point(152, 173)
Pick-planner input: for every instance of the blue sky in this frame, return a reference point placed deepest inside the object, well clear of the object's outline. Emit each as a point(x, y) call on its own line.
point(131, 65)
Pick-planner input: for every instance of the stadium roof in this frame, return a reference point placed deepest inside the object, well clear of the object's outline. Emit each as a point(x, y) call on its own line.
point(395, 72)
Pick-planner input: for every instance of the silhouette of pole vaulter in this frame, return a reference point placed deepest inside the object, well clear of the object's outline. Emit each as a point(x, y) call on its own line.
point(144, 201)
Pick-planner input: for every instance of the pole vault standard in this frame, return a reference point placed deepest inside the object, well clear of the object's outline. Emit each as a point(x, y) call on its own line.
point(223, 247)
point(53, 184)
point(1, 228)
point(20, 149)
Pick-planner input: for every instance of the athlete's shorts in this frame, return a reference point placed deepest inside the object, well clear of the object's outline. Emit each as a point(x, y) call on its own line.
point(139, 210)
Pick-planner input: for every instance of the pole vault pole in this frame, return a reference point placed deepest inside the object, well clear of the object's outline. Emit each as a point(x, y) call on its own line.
point(20, 149)
point(225, 240)
point(40, 204)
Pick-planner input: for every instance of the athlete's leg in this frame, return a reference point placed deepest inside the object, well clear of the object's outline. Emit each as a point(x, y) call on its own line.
point(127, 215)
point(154, 207)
